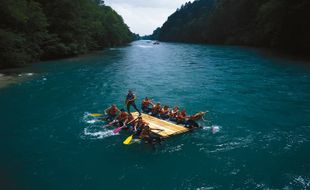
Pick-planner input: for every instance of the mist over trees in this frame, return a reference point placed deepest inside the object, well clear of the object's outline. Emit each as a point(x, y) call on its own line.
point(33, 30)
point(280, 24)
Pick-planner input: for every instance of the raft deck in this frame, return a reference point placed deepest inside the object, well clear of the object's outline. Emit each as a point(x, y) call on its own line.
point(167, 129)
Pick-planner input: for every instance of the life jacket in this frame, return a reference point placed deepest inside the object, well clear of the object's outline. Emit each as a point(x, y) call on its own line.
point(156, 108)
point(164, 111)
point(129, 97)
point(181, 116)
point(122, 116)
point(146, 103)
point(112, 111)
point(145, 133)
point(173, 113)
point(141, 123)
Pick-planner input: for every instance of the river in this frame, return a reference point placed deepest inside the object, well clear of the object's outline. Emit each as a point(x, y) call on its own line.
point(260, 105)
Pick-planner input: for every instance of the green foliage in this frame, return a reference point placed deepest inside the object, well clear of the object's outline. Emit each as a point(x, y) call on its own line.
point(22, 32)
point(43, 29)
point(282, 24)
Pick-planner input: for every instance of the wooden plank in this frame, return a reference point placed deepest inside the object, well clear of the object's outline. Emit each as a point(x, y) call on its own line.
point(168, 128)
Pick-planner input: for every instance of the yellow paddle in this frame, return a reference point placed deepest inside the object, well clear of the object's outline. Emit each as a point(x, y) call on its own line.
point(128, 140)
point(95, 114)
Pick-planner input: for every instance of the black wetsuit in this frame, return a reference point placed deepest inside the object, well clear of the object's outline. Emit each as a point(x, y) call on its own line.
point(131, 96)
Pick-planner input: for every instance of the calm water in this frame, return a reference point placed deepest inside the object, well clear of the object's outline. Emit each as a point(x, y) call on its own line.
point(260, 104)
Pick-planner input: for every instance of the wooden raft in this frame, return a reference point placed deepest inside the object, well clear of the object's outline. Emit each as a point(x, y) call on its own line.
point(168, 128)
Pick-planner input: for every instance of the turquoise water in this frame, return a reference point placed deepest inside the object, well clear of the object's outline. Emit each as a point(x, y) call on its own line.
point(260, 105)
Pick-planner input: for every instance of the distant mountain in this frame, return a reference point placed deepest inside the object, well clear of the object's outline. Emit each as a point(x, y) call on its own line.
point(281, 24)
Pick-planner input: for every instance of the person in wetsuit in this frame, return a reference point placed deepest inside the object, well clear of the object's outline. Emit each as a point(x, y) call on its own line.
point(148, 136)
point(121, 119)
point(111, 113)
point(173, 114)
point(130, 101)
point(130, 123)
point(156, 109)
point(164, 112)
point(192, 120)
point(181, 117)
point(138, 126)
point(145, 105)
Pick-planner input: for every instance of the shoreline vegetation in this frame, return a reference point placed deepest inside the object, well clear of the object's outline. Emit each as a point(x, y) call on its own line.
point(281, 25)
point(39, 30)
point(13, 76)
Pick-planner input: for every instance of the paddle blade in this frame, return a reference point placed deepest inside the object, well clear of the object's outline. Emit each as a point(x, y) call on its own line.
point(128, 140)
point(95, 114)
point(117, 130)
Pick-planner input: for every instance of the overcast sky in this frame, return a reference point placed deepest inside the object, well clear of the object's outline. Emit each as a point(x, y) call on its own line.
point(143, 16)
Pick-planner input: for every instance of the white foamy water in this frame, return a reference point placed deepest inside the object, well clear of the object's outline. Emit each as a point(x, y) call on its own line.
point(98, 134)
point(25, 74)
point(214, 128)
point(144, 46)
point(87, 118)
point(91, 121)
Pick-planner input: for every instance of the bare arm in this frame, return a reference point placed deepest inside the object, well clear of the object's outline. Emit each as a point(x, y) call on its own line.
point(112, 122)
point(106, 110)
point(132, 121)
point(152, 103)
point(125, 122)
point(117, 110)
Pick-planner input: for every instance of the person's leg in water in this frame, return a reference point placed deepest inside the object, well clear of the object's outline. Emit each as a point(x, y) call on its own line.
point(173, 119)
point(180, 122)
point(164, 116)
point(146, 110)
point(153, 139)
point(110, 117)
point(191, 124)
point(137, 133)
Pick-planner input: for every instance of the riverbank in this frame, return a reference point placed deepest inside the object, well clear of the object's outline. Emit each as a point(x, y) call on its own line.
point(6, 80)
point(13, 76)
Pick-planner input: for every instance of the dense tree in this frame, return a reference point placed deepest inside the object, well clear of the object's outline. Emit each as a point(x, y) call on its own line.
point(282, 24)
point(22, 31)
point(43, 29)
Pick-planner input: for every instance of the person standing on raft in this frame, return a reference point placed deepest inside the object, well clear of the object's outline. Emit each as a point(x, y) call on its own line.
point(130, 101)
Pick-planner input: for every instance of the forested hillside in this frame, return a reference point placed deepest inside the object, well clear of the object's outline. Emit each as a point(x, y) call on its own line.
point(281, 24)
point(31, 30)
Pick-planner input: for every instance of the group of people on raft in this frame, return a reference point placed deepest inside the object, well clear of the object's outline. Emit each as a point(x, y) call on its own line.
point(140, 128)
